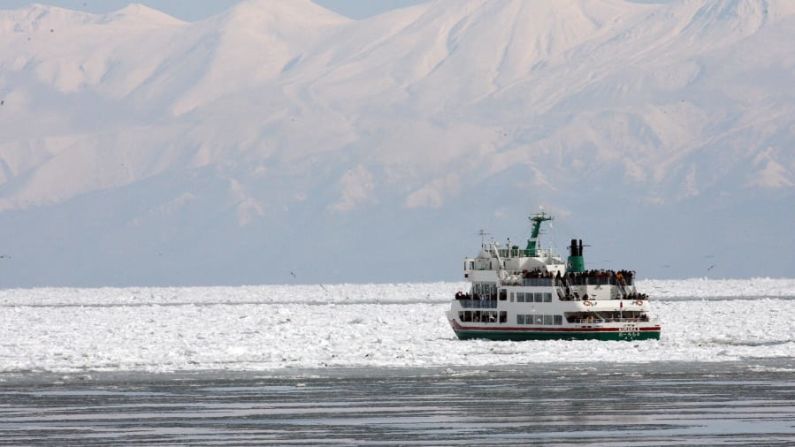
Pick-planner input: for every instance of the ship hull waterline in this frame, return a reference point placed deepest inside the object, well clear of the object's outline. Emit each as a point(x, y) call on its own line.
point(524, 335)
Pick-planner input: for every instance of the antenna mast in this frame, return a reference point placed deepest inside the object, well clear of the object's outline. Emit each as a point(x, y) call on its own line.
point(532, 243)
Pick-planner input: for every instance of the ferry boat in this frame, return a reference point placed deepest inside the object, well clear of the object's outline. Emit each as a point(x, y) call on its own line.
point(532, 294)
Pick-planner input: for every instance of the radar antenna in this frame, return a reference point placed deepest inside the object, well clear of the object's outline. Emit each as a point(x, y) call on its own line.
point(482, 233)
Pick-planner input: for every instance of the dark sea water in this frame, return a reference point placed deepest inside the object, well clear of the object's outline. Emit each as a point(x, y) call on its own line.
point(734, 403)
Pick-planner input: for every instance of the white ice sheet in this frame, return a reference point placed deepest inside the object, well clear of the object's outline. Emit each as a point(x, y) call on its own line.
point(395, 325)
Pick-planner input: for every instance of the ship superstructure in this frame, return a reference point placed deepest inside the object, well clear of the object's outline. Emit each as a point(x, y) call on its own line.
point(532, 294)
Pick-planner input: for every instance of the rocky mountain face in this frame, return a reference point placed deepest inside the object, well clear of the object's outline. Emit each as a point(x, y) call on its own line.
point(279, 142)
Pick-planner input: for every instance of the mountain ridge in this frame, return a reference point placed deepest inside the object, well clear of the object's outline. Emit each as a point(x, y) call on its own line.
point(278, 128)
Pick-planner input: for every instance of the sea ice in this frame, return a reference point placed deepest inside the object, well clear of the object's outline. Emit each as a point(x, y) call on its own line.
point(262, 328)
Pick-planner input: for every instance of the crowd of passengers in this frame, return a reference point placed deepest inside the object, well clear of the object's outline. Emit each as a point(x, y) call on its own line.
point(568, 295)
point(624, 277)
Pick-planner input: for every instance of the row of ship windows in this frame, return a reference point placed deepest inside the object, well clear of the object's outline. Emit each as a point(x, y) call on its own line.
point(530, 297)
point(493, 316)
point(483, 316)
point(484, 288)
point(539, 319)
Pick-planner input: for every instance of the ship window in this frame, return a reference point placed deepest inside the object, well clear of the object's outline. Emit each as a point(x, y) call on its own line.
point(476, 316)
point(538, 297)
point(558, 319)
point(503, 294)
point(547, 319)
point(539, 319)
point(519, 319)
point(512, 296)
point(520, 297)
point(503, 316)
point(547, 297)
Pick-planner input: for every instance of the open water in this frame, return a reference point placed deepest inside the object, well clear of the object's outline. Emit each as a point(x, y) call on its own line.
point(725, 403)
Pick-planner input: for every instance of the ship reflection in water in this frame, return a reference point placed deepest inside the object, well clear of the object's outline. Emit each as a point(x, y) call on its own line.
point(732, 403)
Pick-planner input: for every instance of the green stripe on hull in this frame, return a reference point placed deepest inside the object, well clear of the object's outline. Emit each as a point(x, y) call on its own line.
point(527, 335)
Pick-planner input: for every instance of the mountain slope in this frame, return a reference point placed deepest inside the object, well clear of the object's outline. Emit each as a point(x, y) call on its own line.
point(278, 136)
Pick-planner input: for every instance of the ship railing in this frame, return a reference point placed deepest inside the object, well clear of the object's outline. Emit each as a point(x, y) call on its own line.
point(626, 319)
point(595, 281)
point(569, 281)
point(537, 282)
point(478, 304)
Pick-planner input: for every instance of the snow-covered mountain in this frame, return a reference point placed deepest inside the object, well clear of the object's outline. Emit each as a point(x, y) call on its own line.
point(279, 137)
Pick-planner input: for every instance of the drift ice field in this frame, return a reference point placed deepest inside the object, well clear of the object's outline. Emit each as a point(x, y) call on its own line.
point(269, 328)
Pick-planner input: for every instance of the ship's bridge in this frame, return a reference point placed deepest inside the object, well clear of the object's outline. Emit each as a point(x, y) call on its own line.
point(494, 263)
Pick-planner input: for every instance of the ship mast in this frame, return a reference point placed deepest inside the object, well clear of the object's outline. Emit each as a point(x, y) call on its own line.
point(532, 243)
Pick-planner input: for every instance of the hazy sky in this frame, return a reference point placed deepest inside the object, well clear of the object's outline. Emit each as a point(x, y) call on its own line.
point(199, 9)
